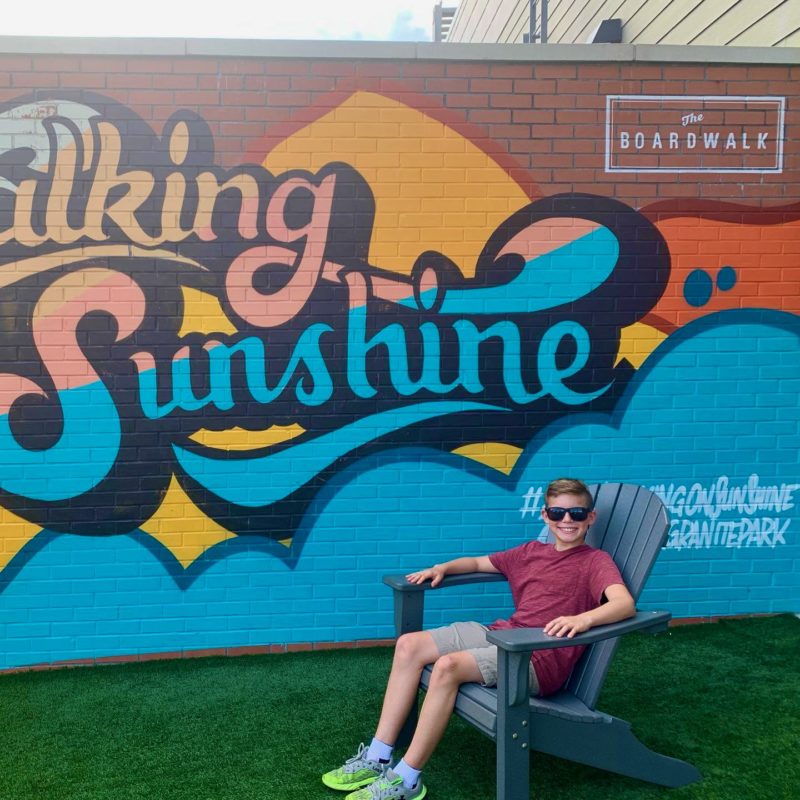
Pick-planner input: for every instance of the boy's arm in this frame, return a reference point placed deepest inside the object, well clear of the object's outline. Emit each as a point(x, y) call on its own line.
point(619, 606)
point(456, 567)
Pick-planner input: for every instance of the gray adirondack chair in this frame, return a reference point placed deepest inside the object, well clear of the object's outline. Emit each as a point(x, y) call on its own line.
point(632, 527)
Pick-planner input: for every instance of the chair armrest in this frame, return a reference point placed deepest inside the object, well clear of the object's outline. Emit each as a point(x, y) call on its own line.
point(400, 584)
point(409, 598)
point(517, 640)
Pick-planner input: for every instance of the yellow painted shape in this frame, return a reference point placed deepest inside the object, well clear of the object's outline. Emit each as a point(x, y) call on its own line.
point(182, 527)
point(405, 155)
point(15, 533)
point(202, 313)
point(496, 455)
point(636, 343)
point(241, 439)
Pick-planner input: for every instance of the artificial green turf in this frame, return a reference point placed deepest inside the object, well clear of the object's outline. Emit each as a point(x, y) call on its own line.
point(725, 697)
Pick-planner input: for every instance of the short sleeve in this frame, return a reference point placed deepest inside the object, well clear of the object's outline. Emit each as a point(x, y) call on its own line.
point(503, 559)
point(604, 573)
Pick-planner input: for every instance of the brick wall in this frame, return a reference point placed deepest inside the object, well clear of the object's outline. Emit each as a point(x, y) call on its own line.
point(273, 326)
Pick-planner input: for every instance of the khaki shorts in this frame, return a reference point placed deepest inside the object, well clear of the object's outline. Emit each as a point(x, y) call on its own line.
point(471, 637)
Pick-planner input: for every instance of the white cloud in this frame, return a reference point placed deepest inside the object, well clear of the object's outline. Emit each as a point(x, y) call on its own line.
point(234, 19)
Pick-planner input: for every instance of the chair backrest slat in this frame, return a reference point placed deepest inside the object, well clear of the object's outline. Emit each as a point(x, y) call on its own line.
point(631, 526)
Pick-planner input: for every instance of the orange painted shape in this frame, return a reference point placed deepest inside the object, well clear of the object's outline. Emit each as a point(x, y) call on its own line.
point(424, 195)
point(766, 260)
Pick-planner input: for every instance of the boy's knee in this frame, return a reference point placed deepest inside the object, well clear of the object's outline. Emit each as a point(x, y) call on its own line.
point(448, 668)
point(411, 646)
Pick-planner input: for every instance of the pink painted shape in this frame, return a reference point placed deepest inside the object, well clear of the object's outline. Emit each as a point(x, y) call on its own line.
point(391, 290)
point(54, 329)
point(357, 289)
point(548, 235)
point(269, 311)
point(12, 387)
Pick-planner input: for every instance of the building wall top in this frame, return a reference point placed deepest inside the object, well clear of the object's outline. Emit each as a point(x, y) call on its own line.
point(394, 51)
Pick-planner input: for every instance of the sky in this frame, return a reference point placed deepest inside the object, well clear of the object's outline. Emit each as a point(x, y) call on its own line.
point(381, 20)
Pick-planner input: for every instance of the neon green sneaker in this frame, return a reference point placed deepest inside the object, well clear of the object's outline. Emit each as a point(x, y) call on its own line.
point(389, 786)
point(356, 772)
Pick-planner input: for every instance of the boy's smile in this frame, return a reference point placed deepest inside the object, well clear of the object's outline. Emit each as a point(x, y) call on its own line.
point(568, 532)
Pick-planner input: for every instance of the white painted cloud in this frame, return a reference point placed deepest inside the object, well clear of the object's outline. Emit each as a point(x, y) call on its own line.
point(381, 20)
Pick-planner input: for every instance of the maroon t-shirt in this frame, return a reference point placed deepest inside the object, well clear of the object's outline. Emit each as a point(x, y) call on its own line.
point(547, 583)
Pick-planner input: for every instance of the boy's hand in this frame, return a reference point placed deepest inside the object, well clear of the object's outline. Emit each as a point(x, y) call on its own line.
point(433, 574)
point(567, 626)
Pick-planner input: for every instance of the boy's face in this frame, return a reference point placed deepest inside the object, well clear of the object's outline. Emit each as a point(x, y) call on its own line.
point(568, 532)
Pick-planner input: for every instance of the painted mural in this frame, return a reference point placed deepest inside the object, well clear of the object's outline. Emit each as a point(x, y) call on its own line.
point(276, 370)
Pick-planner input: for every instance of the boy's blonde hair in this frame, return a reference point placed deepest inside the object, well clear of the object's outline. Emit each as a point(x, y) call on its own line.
point(569, 486)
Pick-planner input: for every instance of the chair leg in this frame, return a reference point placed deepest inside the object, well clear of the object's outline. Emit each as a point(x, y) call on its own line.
point(513, 726)
point(513, 765)
point(611, 746)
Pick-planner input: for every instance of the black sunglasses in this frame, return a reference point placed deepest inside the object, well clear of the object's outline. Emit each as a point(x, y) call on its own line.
point(556, 513)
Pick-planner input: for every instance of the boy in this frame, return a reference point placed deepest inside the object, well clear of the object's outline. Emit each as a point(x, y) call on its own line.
point(565, 587)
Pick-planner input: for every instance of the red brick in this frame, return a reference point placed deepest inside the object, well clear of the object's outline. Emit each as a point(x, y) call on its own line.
point(491, 85)
point(249, 650)
point(126, 659)
point(79, 80)
point(206, 653)
point(681, 72)
point(288, 98)
point(128, 80)
point(510, 100)
point(559, 71)
point(58, 63)
point(34, 80)
point(540, 115)
point(378, 69)
point(487, 115)
point(318, 83)
point(191, 65)
point(421, 69)
point(471, 70)
point(159, 66)
point(335, 68)
point(9, 63)
point(242, 66)
point(509, 131)
point(577, 86)
point(374, 643)
point(289, 66)
point(198, 97)
point(221, 82)
point(599, 71)
point(554, 101)
point(520, 71)
point(466, 100)
point(150, 96)
point(640, 72)
point(172, 655)
point(452, 85)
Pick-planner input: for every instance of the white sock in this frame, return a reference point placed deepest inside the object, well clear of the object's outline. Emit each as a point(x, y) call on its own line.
point(379, 751)
point(409, 775)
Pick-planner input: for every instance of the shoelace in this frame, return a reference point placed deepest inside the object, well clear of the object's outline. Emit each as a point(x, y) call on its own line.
point(360, 756)
point(385, 789)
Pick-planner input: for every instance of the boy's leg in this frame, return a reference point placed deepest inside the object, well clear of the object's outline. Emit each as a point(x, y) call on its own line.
point(412, 653)
point(449, 672)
